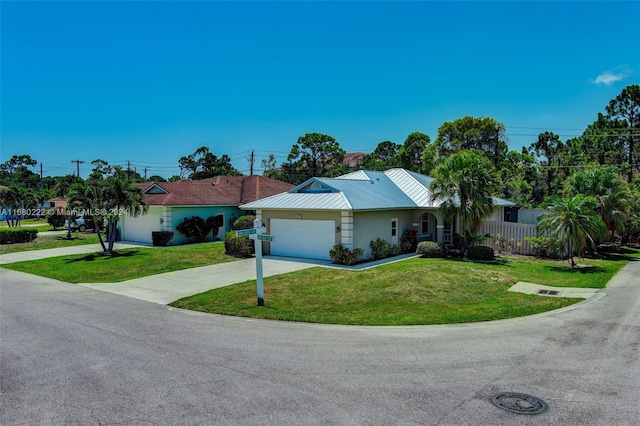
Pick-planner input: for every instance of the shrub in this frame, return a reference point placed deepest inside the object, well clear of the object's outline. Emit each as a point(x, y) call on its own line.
point(344, 256)
point(214, 223)
point(55, 219)
point(161, 238)
point(200, 228)
point(480, 253)
point(455, 252)
point(429, 249)
point(238, 246)
point(379, 249)
point(545, 247)
point(243, 222)
point(194, 227)
point(394, 250)
point(17, 235)
point(409, 241)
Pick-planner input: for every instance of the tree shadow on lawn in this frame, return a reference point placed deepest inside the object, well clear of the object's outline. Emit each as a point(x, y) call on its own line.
point(566, 269)
point(94, 256)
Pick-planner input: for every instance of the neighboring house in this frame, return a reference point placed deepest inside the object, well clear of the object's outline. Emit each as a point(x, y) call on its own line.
point(56, 202)
point(353, 210)
point(171, 202)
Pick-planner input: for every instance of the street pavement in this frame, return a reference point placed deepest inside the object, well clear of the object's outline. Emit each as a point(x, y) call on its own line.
point(71, 354)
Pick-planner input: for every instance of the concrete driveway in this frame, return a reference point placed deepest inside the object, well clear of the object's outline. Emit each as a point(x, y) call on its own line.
point(71, 354)
point(168, 287)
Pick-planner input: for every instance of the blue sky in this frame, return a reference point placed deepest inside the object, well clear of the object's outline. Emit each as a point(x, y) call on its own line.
point(149, 82)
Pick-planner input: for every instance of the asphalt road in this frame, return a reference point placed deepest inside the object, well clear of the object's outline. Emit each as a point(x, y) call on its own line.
point(74, 355)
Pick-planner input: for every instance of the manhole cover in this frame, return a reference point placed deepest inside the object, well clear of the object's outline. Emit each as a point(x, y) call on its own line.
point(520, 403)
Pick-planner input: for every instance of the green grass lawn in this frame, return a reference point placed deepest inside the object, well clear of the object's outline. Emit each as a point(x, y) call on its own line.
point(40, 224)
point(127, 264)
point(415, 291)
point(51, 241)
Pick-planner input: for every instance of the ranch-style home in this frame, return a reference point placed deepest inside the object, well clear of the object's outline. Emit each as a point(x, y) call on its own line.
point(171, 202)
point(355, 209)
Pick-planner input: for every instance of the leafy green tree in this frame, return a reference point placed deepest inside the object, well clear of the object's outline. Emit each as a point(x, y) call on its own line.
point(203, 164)
point(626, 107)
point(15, 172)
point(156, 178)
point(268, 165)
point(612, 194)
point(470, 133)
point(314, 154)
point(464, 183)
point(520, 180)
point(410, 154)
point(548, 150)
point(575, 222)
point(384, 157)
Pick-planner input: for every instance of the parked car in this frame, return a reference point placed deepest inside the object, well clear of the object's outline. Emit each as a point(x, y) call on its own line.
point(82, 224)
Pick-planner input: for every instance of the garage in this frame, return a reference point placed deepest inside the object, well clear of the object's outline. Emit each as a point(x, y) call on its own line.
point(138, 229)
point(311, 239)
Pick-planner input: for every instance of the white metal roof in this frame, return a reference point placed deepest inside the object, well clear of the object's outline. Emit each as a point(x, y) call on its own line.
point(360, 190)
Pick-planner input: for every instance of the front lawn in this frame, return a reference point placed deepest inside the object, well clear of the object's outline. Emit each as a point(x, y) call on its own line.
point(51, 241)
point(415, 291)
point(40, 224)
point(127, 264)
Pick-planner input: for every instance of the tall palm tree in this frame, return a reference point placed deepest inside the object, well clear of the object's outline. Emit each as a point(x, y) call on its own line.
point(464, 183)
point(575, 222)
point(123, 197)
point(612, 194)
point(89, 196)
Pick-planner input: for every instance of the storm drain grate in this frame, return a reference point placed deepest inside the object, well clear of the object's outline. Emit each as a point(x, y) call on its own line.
point(549, 292)
point(519, 403)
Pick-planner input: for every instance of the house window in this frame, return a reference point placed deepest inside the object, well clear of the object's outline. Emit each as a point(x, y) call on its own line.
point(394, 227)
point(425, 224)
point(511, 214)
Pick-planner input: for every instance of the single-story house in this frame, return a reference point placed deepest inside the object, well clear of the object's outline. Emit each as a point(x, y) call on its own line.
point(171, 202)
point(353, 210)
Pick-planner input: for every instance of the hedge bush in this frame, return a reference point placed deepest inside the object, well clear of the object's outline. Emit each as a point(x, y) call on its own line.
point(379, 249)
point(344, 256)
point(238, 246)
point(480, 253)
point(161, 238)
point(56, 220)
point(545, 247)
point(17, 235)
point(394, 250)
point(243, 222)
point(430, 249)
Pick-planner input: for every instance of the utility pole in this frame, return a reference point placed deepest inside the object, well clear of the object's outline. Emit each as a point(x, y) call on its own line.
point(251, 160)
point(145, 173)
point(128, 168)
point(41, 181)
point(78, 162)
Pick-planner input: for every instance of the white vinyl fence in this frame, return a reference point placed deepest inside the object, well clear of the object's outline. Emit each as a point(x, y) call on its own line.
point(514, 233)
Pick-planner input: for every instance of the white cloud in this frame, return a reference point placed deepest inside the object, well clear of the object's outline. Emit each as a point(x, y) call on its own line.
point(608, 78)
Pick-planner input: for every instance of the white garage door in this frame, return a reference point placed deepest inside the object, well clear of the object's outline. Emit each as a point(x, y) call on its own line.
point(312, 239)
point(138, 229)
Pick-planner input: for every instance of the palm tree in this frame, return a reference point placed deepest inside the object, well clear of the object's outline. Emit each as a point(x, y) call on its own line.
point(88, 196)
point(464, 183)
point(575, 222)
point(612, 194)
point(123, 197)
